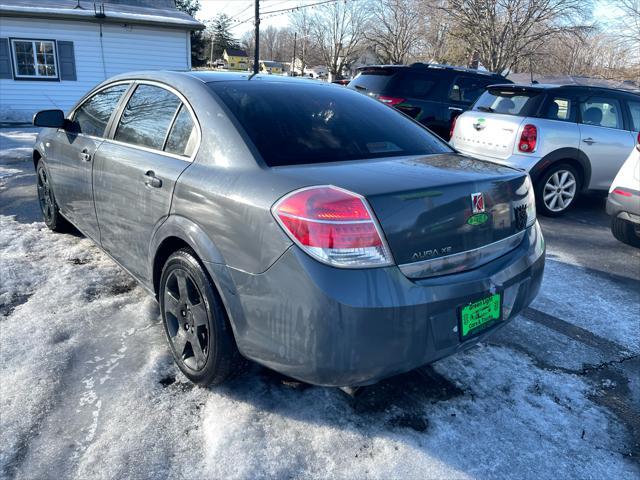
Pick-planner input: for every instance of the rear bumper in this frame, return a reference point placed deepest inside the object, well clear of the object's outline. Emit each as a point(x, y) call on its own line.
point(627, 208)
point(341, 327)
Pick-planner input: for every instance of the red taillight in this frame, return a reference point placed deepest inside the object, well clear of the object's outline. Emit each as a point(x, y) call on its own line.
point(453, 126)
point(617, 191)
point(528, 138)
point(333, 225)
point(391, 101)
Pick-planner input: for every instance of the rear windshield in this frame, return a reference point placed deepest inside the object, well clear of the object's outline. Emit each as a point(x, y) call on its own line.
point(293, 123)
point(506, 101)
point(373, 81)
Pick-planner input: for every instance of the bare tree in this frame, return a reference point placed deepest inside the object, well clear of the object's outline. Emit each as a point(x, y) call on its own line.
point(394, 30)
point(630, 19)
point(337, 30)
point(301, 22)
point(503, 32)
point(268, 39)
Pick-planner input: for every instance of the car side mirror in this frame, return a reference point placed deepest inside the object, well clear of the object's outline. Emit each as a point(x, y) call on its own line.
point(49, 118)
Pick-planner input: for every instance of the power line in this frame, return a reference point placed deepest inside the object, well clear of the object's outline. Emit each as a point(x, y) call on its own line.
point(283, 10)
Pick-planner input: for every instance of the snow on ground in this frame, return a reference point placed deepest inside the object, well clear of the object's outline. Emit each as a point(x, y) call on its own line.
point(88, 390)
point(16, 144)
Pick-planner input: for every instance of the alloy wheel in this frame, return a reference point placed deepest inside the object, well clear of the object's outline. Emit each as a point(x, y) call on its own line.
point(186, 319)
point(559, 191)
point(45, 196)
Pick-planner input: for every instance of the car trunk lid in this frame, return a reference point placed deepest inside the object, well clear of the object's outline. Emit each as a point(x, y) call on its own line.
point(425, 204)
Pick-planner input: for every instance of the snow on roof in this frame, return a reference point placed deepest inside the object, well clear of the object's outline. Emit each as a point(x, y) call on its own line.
point(153, 12)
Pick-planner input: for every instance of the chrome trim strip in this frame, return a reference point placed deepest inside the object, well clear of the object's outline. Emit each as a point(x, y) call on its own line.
point(462, 261)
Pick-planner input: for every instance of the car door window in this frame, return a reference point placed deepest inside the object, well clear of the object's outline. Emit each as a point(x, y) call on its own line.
point(467, 89)
point(147, 117)
point(560, 108)
point(634, 109)
point(182, 137)
point(601, 112)
point(92, 116)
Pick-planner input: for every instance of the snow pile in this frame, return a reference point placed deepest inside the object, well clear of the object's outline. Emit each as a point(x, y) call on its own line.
point(16, 145)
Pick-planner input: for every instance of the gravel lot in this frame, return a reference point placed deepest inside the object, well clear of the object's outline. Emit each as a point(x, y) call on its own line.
point(88, 388)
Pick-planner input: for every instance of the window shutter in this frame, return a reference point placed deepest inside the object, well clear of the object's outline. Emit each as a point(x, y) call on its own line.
point(66, 60)
point(5, 59)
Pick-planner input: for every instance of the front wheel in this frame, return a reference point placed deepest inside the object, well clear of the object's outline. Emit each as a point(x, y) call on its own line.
point(557, 189)
point(195, 321)
point(47, 200)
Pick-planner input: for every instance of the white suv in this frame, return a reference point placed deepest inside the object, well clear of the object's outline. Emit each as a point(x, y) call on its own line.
point(569, 138)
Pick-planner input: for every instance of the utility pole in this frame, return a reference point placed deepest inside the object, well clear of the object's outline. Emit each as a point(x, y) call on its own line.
point(256, 53)
point(293, 64)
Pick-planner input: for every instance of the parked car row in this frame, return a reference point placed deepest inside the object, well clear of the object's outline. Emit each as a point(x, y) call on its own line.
point(570, 139)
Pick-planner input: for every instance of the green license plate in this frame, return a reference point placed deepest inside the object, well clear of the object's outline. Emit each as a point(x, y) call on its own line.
point(476, 315)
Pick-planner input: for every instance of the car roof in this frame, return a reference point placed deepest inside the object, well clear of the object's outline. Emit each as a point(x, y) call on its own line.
point(554, 86)
point(431, 66)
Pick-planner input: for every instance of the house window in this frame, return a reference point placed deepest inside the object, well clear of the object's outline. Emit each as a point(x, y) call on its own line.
point(34, 59)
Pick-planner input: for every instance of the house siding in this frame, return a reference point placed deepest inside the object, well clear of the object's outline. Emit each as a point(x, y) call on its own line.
point(123, 48)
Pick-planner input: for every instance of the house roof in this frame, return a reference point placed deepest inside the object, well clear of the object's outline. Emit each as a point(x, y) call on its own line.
point(236, 52)
point(145, 12)
point(271, 63)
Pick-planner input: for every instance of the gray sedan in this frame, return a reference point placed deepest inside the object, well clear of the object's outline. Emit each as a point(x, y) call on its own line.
point(297, 224)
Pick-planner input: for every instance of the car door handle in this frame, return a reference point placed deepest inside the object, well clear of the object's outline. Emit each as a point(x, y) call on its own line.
point(589, 141)
point(85, 155)
point(151, 180)
point(456, 109)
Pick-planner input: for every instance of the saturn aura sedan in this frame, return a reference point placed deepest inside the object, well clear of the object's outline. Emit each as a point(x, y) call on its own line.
point(297, 224)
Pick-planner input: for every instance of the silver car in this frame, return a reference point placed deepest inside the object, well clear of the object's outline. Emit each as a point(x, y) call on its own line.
point(298, 224)
point(570, 139)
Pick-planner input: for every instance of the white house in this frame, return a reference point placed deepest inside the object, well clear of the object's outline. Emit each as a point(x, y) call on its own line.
point(53, 51)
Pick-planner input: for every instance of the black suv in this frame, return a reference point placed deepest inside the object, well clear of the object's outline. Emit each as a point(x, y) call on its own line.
point(432, 94)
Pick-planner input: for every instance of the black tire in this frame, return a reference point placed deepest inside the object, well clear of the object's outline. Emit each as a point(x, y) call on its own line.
point(47, 201)
point(544, 187)
point(195, 322)
point(625, 231)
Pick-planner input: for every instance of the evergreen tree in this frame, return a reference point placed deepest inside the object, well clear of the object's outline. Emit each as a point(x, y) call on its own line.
point(221, 36)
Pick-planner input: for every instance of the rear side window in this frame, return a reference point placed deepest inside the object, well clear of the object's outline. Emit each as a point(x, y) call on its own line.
point(634, 108)
point(601, 112)
point(147, 117)
point(182, 137)
point(560, 108)
point(92, 116)
point(373, 81)
point(413, 85)
point(296, 123)
point(508, 102)
point(467, 89)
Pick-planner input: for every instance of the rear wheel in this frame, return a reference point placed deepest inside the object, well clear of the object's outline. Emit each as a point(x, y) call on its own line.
point(557, 190)
point(48, 205)
point(195, 321)
point(626, 231)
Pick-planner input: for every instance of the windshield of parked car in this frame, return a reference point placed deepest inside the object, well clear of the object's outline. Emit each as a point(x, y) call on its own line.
point(293, 123)
point(505, 101)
